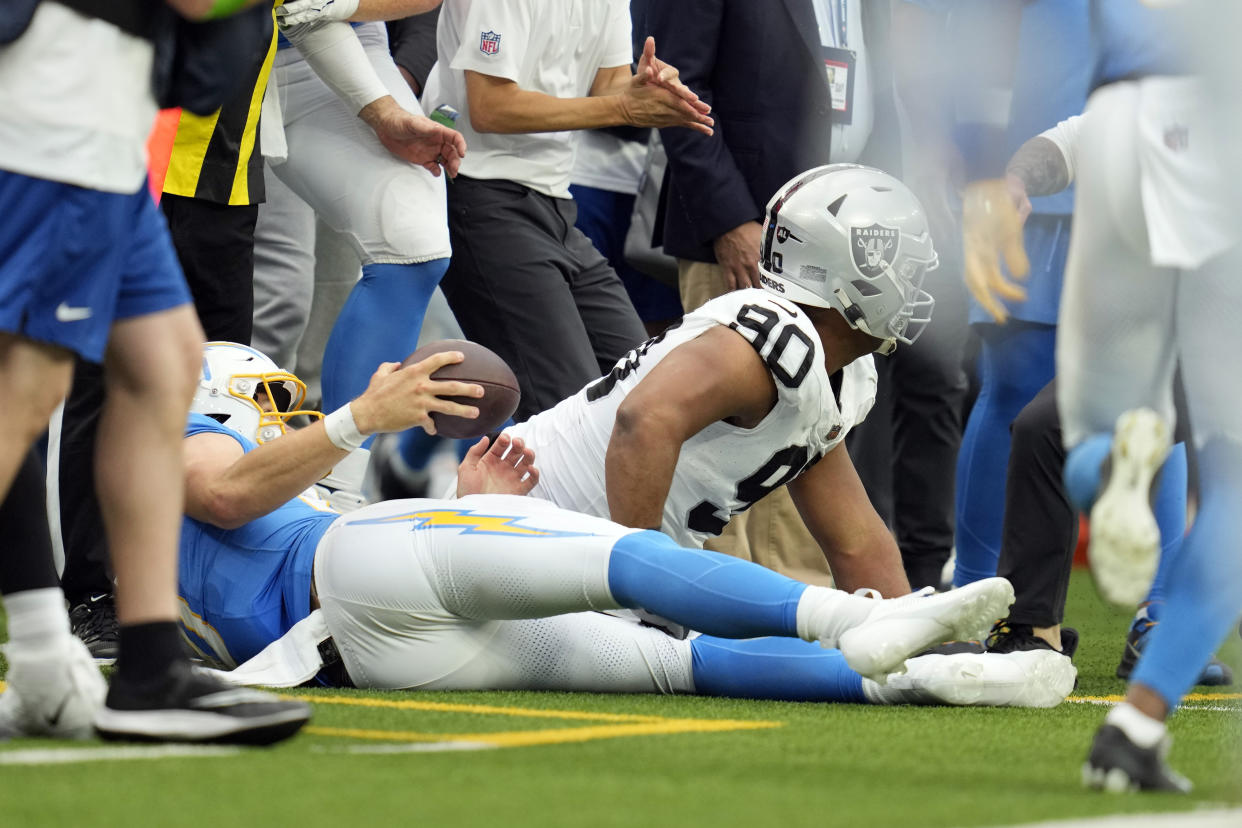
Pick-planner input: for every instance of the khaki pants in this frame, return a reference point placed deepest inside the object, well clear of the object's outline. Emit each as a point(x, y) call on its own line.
point(771, 532)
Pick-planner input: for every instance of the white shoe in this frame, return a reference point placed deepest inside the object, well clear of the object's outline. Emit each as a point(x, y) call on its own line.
point(900, 627)
point(1023, 678)
point(52, 694)
point(1124, 549)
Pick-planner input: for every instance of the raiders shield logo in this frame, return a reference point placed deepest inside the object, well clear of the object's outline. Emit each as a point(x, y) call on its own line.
point(874, 248)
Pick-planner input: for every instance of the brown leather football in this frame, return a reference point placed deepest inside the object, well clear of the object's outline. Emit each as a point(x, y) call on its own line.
point(483, 367)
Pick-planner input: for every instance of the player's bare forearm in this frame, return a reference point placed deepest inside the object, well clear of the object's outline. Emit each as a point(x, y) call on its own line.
point(258, 482)
point(1041, 167)
point(499, 105)
point(638, 472)
point(391, 9)
point(857, 545)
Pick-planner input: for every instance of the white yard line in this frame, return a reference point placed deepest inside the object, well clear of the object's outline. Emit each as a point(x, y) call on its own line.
point(1211, 817)
point(62, 756)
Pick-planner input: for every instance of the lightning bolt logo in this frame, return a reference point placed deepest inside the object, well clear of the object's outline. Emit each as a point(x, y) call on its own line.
point(471, 523)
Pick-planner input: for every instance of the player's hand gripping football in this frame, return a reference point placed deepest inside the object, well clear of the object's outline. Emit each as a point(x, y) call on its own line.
point(505, 467)
point(415, 138)
point(993, 212)
point(400, 398)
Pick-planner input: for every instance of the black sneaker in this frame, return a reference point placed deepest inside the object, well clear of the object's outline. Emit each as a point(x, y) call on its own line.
point(1215, 674)
point(94, 622)
point(1115, 764)
point(188, 705)
point(1007, 638)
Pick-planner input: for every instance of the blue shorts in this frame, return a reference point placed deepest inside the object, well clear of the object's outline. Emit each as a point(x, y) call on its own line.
point(74, 260)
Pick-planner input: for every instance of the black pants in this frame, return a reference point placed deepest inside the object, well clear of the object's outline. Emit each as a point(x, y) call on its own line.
point(525, 282)
point(1040, 528)
point(906, 450)
point(215, 245)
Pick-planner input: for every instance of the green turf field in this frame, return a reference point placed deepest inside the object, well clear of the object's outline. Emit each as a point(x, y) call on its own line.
point(539, 759)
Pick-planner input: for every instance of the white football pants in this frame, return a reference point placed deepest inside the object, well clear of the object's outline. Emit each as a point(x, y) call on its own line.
point(1147, 191)
point(473, 594)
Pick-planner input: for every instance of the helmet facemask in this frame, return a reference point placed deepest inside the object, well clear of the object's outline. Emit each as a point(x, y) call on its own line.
point(245, 391)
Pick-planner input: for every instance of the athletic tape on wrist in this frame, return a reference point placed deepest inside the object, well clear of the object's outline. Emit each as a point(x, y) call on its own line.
point(342, 430)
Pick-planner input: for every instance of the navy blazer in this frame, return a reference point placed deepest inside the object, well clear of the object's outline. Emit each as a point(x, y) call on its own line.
point(759, 64)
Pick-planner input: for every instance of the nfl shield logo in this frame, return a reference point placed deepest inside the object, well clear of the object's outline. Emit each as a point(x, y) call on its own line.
point(489, 43)
point(874, 248)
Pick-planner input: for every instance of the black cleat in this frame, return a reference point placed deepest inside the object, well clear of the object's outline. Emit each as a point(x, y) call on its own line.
point(1007, 638)
point(94, 622)
point(1215, 674)
point(188, 705)
point(1117, 765)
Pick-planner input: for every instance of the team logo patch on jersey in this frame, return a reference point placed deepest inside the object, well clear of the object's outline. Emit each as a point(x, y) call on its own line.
point(468, 521)
point(874, 248)
point(489, 43)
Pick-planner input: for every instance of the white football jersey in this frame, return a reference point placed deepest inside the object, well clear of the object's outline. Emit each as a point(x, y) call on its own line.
point(723, 469)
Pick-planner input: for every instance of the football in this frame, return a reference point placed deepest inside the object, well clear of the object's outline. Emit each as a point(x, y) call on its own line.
point(483, 367)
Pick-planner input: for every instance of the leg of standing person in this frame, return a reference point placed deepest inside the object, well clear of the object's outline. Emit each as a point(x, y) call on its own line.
point(215, 247)
point(284, 264)
point(1015, 361)
point(604, 217)
point(509, 253)
point(1119, 339)
point(392, 212)
point(929, 389)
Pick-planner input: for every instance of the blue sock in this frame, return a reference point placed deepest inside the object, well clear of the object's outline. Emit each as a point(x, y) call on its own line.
point(783, 669)
point(379, 323)
point(706, 591)
point(1170, 511)
point(1204, 590)
point(1082, 470)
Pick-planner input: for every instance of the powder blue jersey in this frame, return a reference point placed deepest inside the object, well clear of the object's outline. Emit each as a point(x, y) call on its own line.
point(1130, 39)
point(243, 588)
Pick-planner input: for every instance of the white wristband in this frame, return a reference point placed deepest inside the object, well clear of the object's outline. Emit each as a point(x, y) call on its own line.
point(342, 430)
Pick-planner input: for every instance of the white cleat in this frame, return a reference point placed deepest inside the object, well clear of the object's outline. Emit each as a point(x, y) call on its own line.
point(1124, 549)
point(1023, 678)
point(900, 627)
point(51, 694)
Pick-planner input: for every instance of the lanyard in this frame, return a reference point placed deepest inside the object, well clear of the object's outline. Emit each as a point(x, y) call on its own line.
point(832, 17)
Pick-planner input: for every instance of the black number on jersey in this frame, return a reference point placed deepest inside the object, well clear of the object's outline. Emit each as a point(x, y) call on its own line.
point(625, 366)
point(756, 323)
point(780, 468)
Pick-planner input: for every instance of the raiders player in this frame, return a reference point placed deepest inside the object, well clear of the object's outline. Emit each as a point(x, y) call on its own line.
point(758, 388)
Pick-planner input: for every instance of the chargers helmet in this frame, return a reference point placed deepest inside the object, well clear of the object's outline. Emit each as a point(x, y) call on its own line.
point(855, 239)
point(228, 388)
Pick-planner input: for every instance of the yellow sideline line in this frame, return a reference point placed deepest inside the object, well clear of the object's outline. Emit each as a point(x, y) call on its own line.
point(553, 736)
point(446, 707)
point(1186, 698)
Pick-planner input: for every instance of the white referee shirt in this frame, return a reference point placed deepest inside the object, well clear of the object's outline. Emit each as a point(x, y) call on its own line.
point(551, 46)
point(75, 102)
